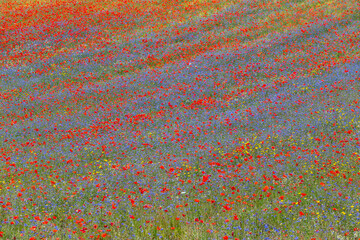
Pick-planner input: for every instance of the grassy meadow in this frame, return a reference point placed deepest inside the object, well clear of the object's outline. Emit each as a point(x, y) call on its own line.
point(179, 119)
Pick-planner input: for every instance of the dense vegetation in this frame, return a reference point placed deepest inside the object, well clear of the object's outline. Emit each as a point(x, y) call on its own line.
point(180, 119)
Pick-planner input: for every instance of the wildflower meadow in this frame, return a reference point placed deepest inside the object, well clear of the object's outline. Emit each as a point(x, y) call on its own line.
point(180, 119)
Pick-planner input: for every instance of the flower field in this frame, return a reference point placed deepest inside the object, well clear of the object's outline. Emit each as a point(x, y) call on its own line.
point(180, 119)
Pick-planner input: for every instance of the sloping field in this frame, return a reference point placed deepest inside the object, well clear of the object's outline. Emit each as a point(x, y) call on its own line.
point(180, 119)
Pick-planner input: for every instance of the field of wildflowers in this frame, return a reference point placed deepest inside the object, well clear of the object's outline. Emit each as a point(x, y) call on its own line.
point(179, 119)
